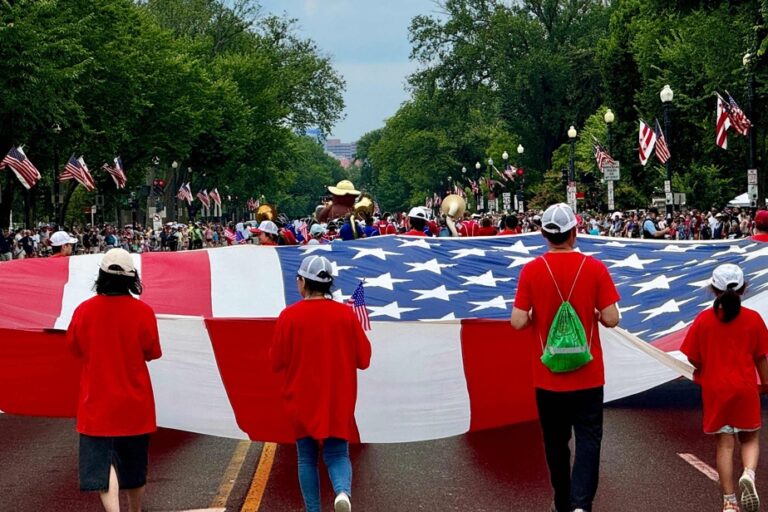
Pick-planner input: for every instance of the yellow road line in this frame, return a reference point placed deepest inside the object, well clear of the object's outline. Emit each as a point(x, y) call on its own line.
point(230, 475)
point(260, 478)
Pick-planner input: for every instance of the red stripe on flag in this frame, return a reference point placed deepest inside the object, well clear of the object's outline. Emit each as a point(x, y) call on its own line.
point(33, 305)
point(500, 387)
point(38, 376)
point(181, 282)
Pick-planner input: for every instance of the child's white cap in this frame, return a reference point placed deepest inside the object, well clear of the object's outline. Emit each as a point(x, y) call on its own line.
point(727, 276)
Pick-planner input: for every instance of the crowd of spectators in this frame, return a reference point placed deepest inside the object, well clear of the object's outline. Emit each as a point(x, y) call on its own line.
point(684, 224)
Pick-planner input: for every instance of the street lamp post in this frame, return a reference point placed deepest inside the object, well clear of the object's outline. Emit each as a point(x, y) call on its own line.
point(490, 187)
point(609, 118)
point(478, 166)
point(56, 186)
point(572, 133)
point(747, 61)
point(521, 177)
point(667, 95)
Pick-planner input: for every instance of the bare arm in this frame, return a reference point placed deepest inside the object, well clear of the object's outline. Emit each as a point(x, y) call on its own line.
point(520, 318)
point(609, 316)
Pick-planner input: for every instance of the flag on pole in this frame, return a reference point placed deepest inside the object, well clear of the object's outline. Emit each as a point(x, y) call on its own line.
point(78, 171)
point(662, 150)
point(229, 235)
point(602, 157)
point(203, 197)
point(214, 194)
point(117, 172)
point(27, 173)
point(723, 122)
point(185, 193)
point(738, 118)
point(357, 302)
point(647, 141)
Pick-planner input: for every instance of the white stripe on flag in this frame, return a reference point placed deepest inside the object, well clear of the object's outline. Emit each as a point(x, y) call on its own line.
point(189, 392)
point(246, 281)
point(415, 388)
point(83, 271)
point(630, 370)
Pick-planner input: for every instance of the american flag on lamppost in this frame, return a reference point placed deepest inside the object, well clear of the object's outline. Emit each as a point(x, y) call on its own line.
point(78, 171)
point(117, 172)
point(21, 166)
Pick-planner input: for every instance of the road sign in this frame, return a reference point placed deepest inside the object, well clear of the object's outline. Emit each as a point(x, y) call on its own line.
point(572, 195)
point(611, 206)
point(667, 187)
point(751, 176)
point(507, 200)
point(679, 198)
point(670, 197)
point(611, 172)
point(480, 203)
point(752, 193)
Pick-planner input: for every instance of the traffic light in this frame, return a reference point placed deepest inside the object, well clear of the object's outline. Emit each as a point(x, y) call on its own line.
point(158, 186)
point(520, 172)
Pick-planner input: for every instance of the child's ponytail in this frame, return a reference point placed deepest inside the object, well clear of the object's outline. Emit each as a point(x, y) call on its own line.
point(728, 303)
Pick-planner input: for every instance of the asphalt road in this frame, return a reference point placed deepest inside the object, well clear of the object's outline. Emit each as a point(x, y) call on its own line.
point(498, 470)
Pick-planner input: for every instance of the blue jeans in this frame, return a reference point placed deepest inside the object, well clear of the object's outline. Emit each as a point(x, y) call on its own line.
point(336, 458)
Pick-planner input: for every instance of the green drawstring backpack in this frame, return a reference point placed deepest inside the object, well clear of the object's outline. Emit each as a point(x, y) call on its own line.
point(567, 348)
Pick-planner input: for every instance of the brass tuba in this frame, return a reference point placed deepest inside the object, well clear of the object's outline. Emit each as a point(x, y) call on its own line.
point(266, 212)
point(363, 207)
point(453, 208)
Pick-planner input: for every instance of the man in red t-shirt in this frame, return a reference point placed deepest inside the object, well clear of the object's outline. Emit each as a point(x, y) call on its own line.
point(417, 218)
point(571, 400)
point(761, 226)
point(511, 226)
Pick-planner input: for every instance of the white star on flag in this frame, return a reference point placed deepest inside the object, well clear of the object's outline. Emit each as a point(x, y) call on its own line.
point(678, 248)
point(376, 252)
point(496, 302)
point(756, 254)
point(679, 325)
point(339, 296)
point(759, 273)
point(392, 310)
point(671, 306)
point(615, 244)
point(518, 247)
point(430, 266)
point(627, 308)
point(384, 281)
point(486, 279)
point(335, 269)
point(586, 253)
point(309, 249)
point(449, 316)
point(700, 284)
point(734, 249)
point(631, 262)
point(659, 283)
point(518, 261)
point(463, 253)
point(441, 292)
point(420, 242)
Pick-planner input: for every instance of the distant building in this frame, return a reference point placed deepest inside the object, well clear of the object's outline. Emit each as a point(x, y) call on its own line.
point(341, 149)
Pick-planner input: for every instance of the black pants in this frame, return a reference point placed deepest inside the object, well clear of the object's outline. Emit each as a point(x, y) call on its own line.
point(560, 413)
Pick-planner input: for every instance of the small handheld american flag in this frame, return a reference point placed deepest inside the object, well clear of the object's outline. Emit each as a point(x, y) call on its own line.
point(357, 302)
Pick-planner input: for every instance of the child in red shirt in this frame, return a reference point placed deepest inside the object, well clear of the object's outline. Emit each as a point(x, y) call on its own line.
point(115, 335)
point(726, 344)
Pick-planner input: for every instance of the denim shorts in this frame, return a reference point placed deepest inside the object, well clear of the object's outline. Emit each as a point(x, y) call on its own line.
point(129, 455)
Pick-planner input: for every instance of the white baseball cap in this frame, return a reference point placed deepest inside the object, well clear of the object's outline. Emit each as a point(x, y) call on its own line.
point(417, 212)
point(118, 258)
point(316, 229)
point(558, 218)
point(60, 238)
point(727, 276)
point(316, 268)
point(267, 226)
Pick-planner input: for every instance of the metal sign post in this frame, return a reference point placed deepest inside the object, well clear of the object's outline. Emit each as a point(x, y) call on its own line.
point(611, 173)
point(572, 195)
point(752, 187)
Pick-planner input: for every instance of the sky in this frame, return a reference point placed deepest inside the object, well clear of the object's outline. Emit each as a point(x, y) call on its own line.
point(368, 44)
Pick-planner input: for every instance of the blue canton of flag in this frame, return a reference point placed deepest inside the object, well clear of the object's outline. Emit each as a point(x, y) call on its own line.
point(357, 301)
point(663, 284)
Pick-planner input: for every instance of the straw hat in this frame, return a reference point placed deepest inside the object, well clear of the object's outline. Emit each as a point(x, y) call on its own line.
point(344, 187)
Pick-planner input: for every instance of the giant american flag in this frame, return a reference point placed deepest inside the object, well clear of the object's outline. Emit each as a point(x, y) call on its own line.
point(446, 360)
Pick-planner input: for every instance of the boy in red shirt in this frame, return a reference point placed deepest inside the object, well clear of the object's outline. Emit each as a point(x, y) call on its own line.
point(486, 227)
point(726, 344)
point(417, 218)
point(511, 226)
point(115, 335)
point(761, 226)
point(570, 401)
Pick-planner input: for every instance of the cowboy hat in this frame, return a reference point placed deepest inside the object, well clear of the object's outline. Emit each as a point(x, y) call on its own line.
point(344, 187)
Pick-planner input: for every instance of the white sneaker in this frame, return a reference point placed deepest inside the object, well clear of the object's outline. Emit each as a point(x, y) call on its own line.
point(749, 499)
point(341, 503)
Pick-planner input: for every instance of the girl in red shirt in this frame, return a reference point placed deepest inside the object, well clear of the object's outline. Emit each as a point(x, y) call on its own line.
point(318, 347)
point(114, 335)
point(726, 344)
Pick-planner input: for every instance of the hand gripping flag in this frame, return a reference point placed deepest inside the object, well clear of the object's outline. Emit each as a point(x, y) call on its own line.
point(647, 141)
point(27, 173)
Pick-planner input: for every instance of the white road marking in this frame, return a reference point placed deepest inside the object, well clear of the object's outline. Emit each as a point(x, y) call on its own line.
point(702, 466)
